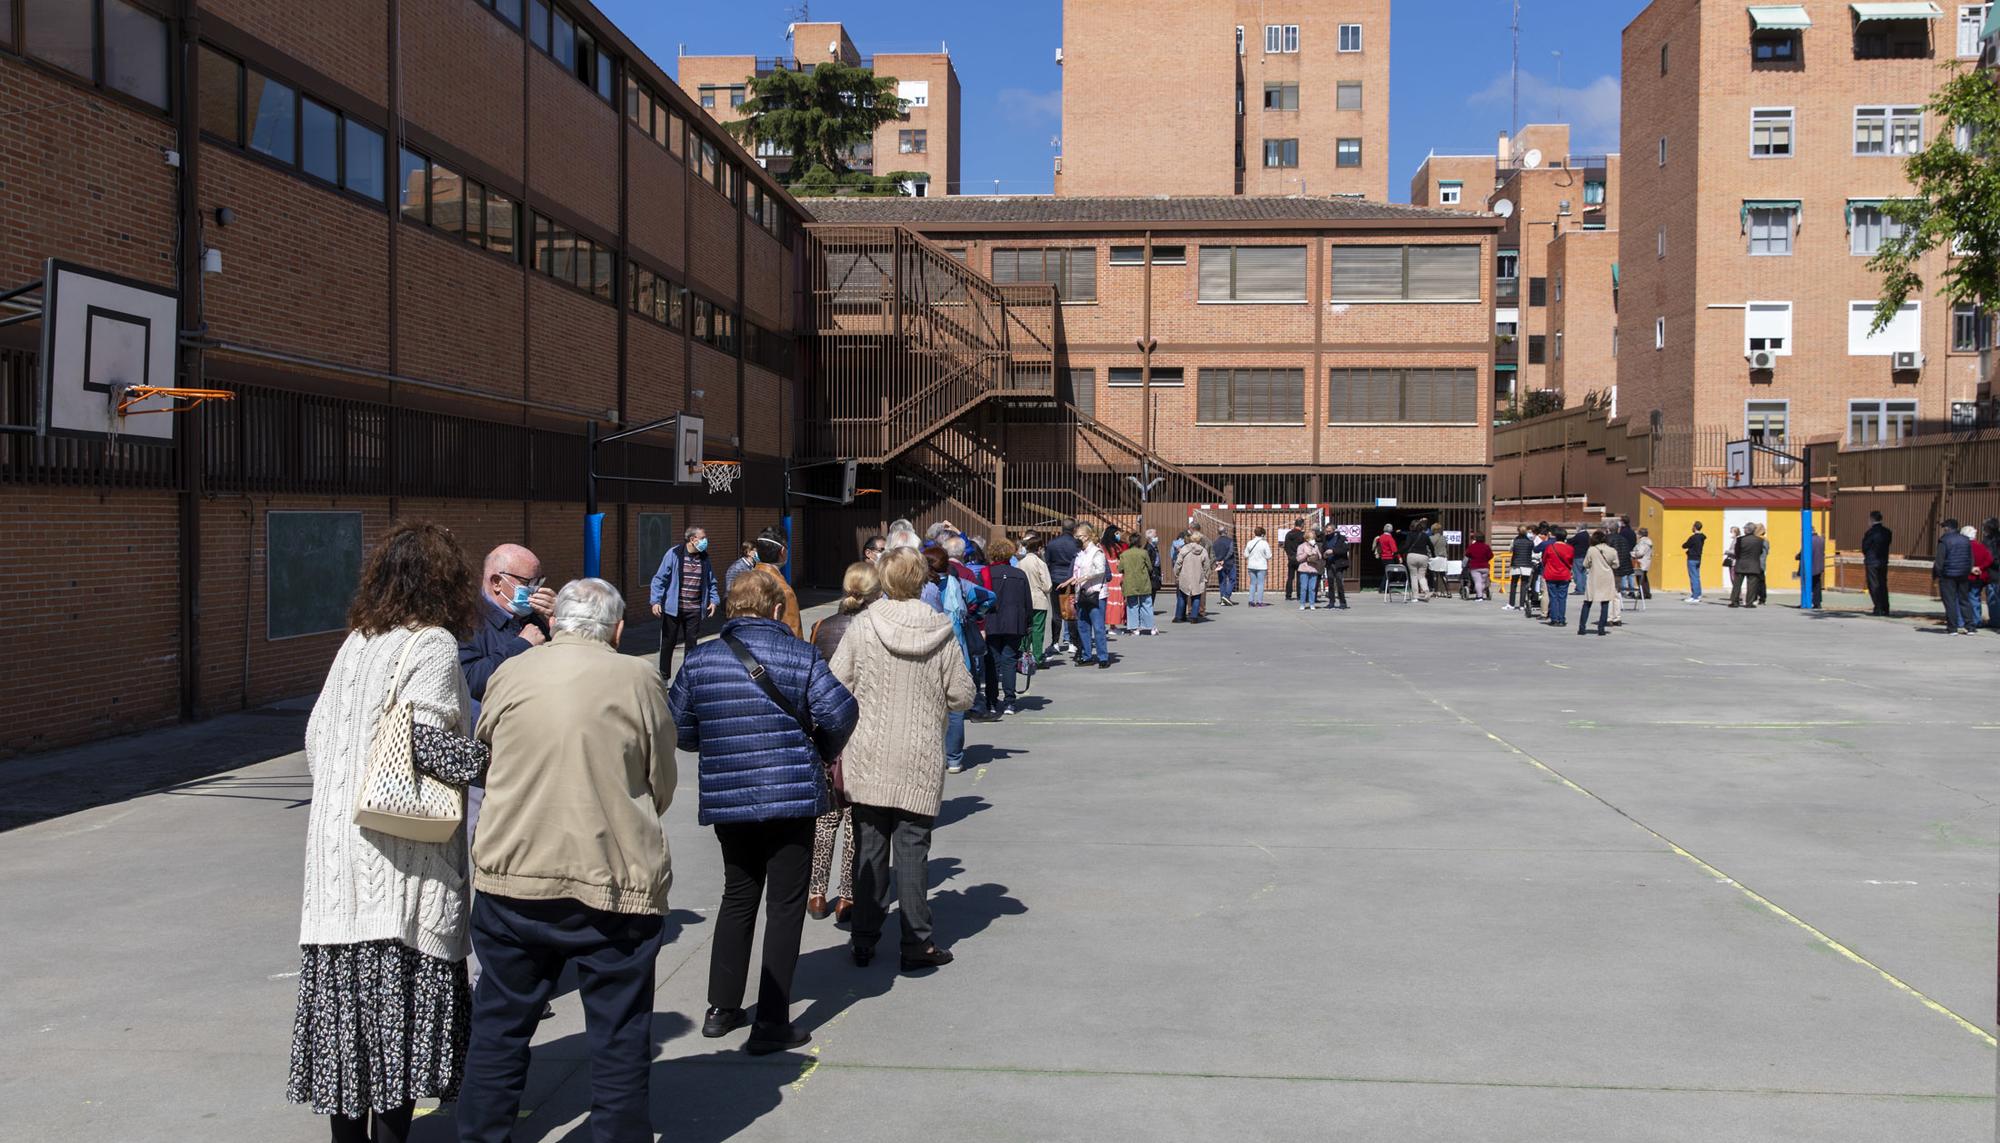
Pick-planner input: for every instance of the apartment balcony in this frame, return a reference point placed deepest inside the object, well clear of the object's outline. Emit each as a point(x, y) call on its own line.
point(768, 64)
point(1505, 288)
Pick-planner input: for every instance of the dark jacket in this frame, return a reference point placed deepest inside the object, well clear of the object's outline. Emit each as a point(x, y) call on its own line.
point(1061, 552)
point(1153, 558)
point(756, 763)
point(1624, 542)
point(1339, 554)
point(1013, 604)
point(827, 632)
point(1875, 543)
point(1693, 545)
point(1954, 556)
point(1522, 551)
point(665, 589)
point(1223, 552)
point(1293, 538)
point(1419, 544)
point(1750, 552)
point(494, 640)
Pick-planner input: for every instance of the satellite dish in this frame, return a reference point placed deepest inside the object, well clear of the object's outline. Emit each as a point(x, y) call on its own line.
point(1532, 159)
point(1504, 208)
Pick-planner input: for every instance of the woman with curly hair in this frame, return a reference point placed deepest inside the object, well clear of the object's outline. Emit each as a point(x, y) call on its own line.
point(384, 1007)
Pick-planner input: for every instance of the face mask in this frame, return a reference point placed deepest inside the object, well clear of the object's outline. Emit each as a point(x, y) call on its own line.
point(520, 602)
point(701, 545)
point(752, 557)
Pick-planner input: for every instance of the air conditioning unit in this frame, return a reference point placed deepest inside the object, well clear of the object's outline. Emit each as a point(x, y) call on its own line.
point(1562, 207)
point(1906, 361)
point(1763, 359)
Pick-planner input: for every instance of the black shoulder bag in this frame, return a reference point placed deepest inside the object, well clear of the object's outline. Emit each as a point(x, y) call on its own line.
point(835, 780)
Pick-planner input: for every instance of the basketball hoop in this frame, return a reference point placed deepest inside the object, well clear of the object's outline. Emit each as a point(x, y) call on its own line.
point(721, 474)
point(129, 395)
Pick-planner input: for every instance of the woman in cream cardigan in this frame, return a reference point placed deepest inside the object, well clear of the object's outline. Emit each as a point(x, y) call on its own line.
point(902, 664)
point(384, 1008)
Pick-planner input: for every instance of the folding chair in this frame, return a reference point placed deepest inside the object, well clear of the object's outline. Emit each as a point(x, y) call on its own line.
point(1397, 577)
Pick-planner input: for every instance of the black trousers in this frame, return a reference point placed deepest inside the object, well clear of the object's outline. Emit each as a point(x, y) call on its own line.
point(1750, 583)
point(1878, 587)
point(1292, 579)
point(390, 1126)
point(1603, 617)
point(1336, 588)
point(1645, 582)
point(680, 630)
point(878, 830)
point(523, 947)
point(774, 860)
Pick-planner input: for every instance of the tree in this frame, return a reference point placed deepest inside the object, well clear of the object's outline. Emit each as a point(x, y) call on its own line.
point(1957, 201)
point(815, 115)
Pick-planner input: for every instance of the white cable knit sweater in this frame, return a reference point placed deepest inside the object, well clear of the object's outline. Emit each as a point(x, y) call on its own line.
point(366, 886)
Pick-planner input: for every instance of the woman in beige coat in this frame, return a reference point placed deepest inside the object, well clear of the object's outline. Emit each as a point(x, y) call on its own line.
point(1191, 566)
point(901, 662)
point(1601, 587)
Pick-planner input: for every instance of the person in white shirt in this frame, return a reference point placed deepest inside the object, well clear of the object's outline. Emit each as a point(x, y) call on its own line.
point(1257, 561)
point(1091, 574)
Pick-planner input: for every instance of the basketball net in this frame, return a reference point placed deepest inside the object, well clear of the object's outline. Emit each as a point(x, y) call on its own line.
point(721, 474)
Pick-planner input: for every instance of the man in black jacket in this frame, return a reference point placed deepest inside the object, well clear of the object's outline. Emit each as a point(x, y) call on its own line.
point(1061, 552)
point(1339, 557)
point(1693, 545)
point(1520, 569)
point(1294, 536)
point(1875, 544)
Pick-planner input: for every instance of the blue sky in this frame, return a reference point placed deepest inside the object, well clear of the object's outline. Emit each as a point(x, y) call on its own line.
point(1448, 71)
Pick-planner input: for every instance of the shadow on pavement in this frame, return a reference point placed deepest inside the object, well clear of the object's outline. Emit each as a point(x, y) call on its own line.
point(962, 807)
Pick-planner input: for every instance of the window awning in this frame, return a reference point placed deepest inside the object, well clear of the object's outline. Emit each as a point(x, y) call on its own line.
point(1451, 182)
point(1750, 204)
point(1614, 275)
point(1901, 10)
point(1854, 202)
point(1779, 17)
point(1992, 24)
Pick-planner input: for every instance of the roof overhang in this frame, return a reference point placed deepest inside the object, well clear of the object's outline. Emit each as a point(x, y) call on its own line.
point(1898, 10)
point(1779, 17)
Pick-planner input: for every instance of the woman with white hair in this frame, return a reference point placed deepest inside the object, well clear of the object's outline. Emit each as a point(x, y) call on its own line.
point(1089, 577)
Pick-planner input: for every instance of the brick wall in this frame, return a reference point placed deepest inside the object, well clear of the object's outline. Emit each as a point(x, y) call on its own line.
point(655, 370)
point(657, 193)
point(441, 42)
point(570, 134)
point(439, 336)
point(572, 346)
point(347, 40)
point(712, 257)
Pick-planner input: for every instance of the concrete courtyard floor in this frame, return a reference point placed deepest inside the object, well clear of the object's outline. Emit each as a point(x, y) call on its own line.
point(1423, 872)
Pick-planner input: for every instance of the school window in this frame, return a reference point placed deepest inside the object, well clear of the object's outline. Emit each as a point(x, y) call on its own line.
point(559, 36)
point(1765, 421)
point(436, 196)
point(1868, 226)
point(1880, 422)
point(652, 296)
point(1971, 329)
point(912, 142)
point(1347, 97)
point(648, 112)
point(1770, 228)
point(1281, 97)
point(111, 43)
point(1082, 390)
point(242, 107)
point(1128, 255)
point(508, 10)
point(1450, 194)
point(1406, 396)
point(1771, 132)
point(1250, 397)
point(1593, 192)
point(1281, 152)
point(1559, 285)
point(1538, 291)
point(1767, 328)
point(1347, 153)
point(1281, 39)
point(1971, 21)
point(1350, 37)
point(1888, 130)
point(1404, 273)
point(1774, 47)
point(1252, 274)
point(1133, 377)
point(737, 96)
point(1902, 38)
point(1169, 255)
point(1537, 349)
point(1071, 269)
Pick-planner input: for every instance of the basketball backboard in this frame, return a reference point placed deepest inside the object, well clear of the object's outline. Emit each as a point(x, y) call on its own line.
point(101, 335)
point(688, 445)
point(1736, 457)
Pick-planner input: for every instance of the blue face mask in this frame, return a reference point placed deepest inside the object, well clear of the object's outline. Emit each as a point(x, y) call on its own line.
point(752, 557)
point(520, 603)
point(701, 545)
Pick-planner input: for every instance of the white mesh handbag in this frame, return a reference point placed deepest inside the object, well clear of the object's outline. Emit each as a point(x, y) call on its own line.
point(395, 798)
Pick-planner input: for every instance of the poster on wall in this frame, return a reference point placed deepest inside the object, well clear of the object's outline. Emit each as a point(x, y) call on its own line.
point(1349, 532)
point(1454, 538)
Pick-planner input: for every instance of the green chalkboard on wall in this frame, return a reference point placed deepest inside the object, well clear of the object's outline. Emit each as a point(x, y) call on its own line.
point(313, 566)
point(656, 535)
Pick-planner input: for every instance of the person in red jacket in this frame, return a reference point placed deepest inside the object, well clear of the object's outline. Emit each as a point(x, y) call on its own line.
point(1479, 562)
point(1982, 573)
point(1385, 550)
point(1557, 557)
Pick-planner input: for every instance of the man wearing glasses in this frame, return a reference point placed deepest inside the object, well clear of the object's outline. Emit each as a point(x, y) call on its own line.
point(514, 610)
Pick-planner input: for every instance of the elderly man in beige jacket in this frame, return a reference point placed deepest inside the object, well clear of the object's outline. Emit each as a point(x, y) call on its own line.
point(570, 864)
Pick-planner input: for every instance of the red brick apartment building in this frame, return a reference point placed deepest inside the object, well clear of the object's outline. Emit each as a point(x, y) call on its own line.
point(1556, 320)
point(1764, 139)
point(1225, 97)
point(452, 234)
point(1267, 351)
point(924, 140)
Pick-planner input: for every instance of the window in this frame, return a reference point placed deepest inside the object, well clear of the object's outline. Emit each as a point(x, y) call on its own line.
point(912, 142)
point(738, 96)
point(271, 111)
point(1663, 242)
point(1770, 229)
point(413, 186)
point(648, 112)
point(1767, 327)
point(1169, 255)
point(653, 297)
point(1072, 269)
point(1880, 422)
point(1414, 396)
point(1252, 274)
point(433, 195)
point(1765, 421)
point(1663, 59)
point(1128, 255)
point(593, 69)
point(708, 99)
point(1347, 96)
point(135, 52)
point(1507, 323)
point(1774, 47)
point(292, 129)
point(1559, 285)
point(1593, 192)
point(1971, 21)
point(501, 233)
point(508, 10)
point(1868, 226)
point(1771, 132)
point(538, 23)
point(1450, 194)
point(1083, 386)
point(1537, 349)
point(1281, 152)
point(69, 34)
point(1250, 397)
point(558, 34)
point(1350, 37)
point(1559, 345)
point(221, 96)
point(1347, 153)
point(1538, 291)
point(1971, 329)
point(1507, 266)
point(1659, 333)
point(1888, 130)
point(1663, 150)
point(1281, 39)
point(447, 200)
point(914, 92)
point(1903, 334)
point(1239, 39)
point(1405, 273)
point(319, 140)
point(1132, 377)
point(1898, 39)
point(1281, 97)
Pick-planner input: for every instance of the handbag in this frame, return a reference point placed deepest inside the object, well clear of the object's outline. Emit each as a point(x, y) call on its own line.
point(396, 798)
point(836, 776)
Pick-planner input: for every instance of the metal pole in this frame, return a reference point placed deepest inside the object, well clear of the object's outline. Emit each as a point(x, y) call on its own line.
point(593, 521)
point(1806, 600)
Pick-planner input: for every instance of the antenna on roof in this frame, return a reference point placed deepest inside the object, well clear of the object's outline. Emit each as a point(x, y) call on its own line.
point(1514, 113)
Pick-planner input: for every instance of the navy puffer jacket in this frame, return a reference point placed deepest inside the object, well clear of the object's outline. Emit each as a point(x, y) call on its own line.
point(1954, 556)
point(756, 763)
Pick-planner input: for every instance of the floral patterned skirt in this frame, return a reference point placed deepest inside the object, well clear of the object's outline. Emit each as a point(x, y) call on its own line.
point(379, 1025)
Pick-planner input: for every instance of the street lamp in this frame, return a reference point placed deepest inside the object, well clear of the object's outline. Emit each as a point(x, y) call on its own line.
point(1783, 462)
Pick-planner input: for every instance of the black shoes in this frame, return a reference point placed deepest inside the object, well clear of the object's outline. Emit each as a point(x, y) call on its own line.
point(862, 956)
point(766, 1039)
point(932, 957)
point(723, 1021)
point(1104, 664)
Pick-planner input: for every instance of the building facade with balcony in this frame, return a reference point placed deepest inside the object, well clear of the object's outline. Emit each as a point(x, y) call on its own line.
point(924, 140)
point(1765, 138)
